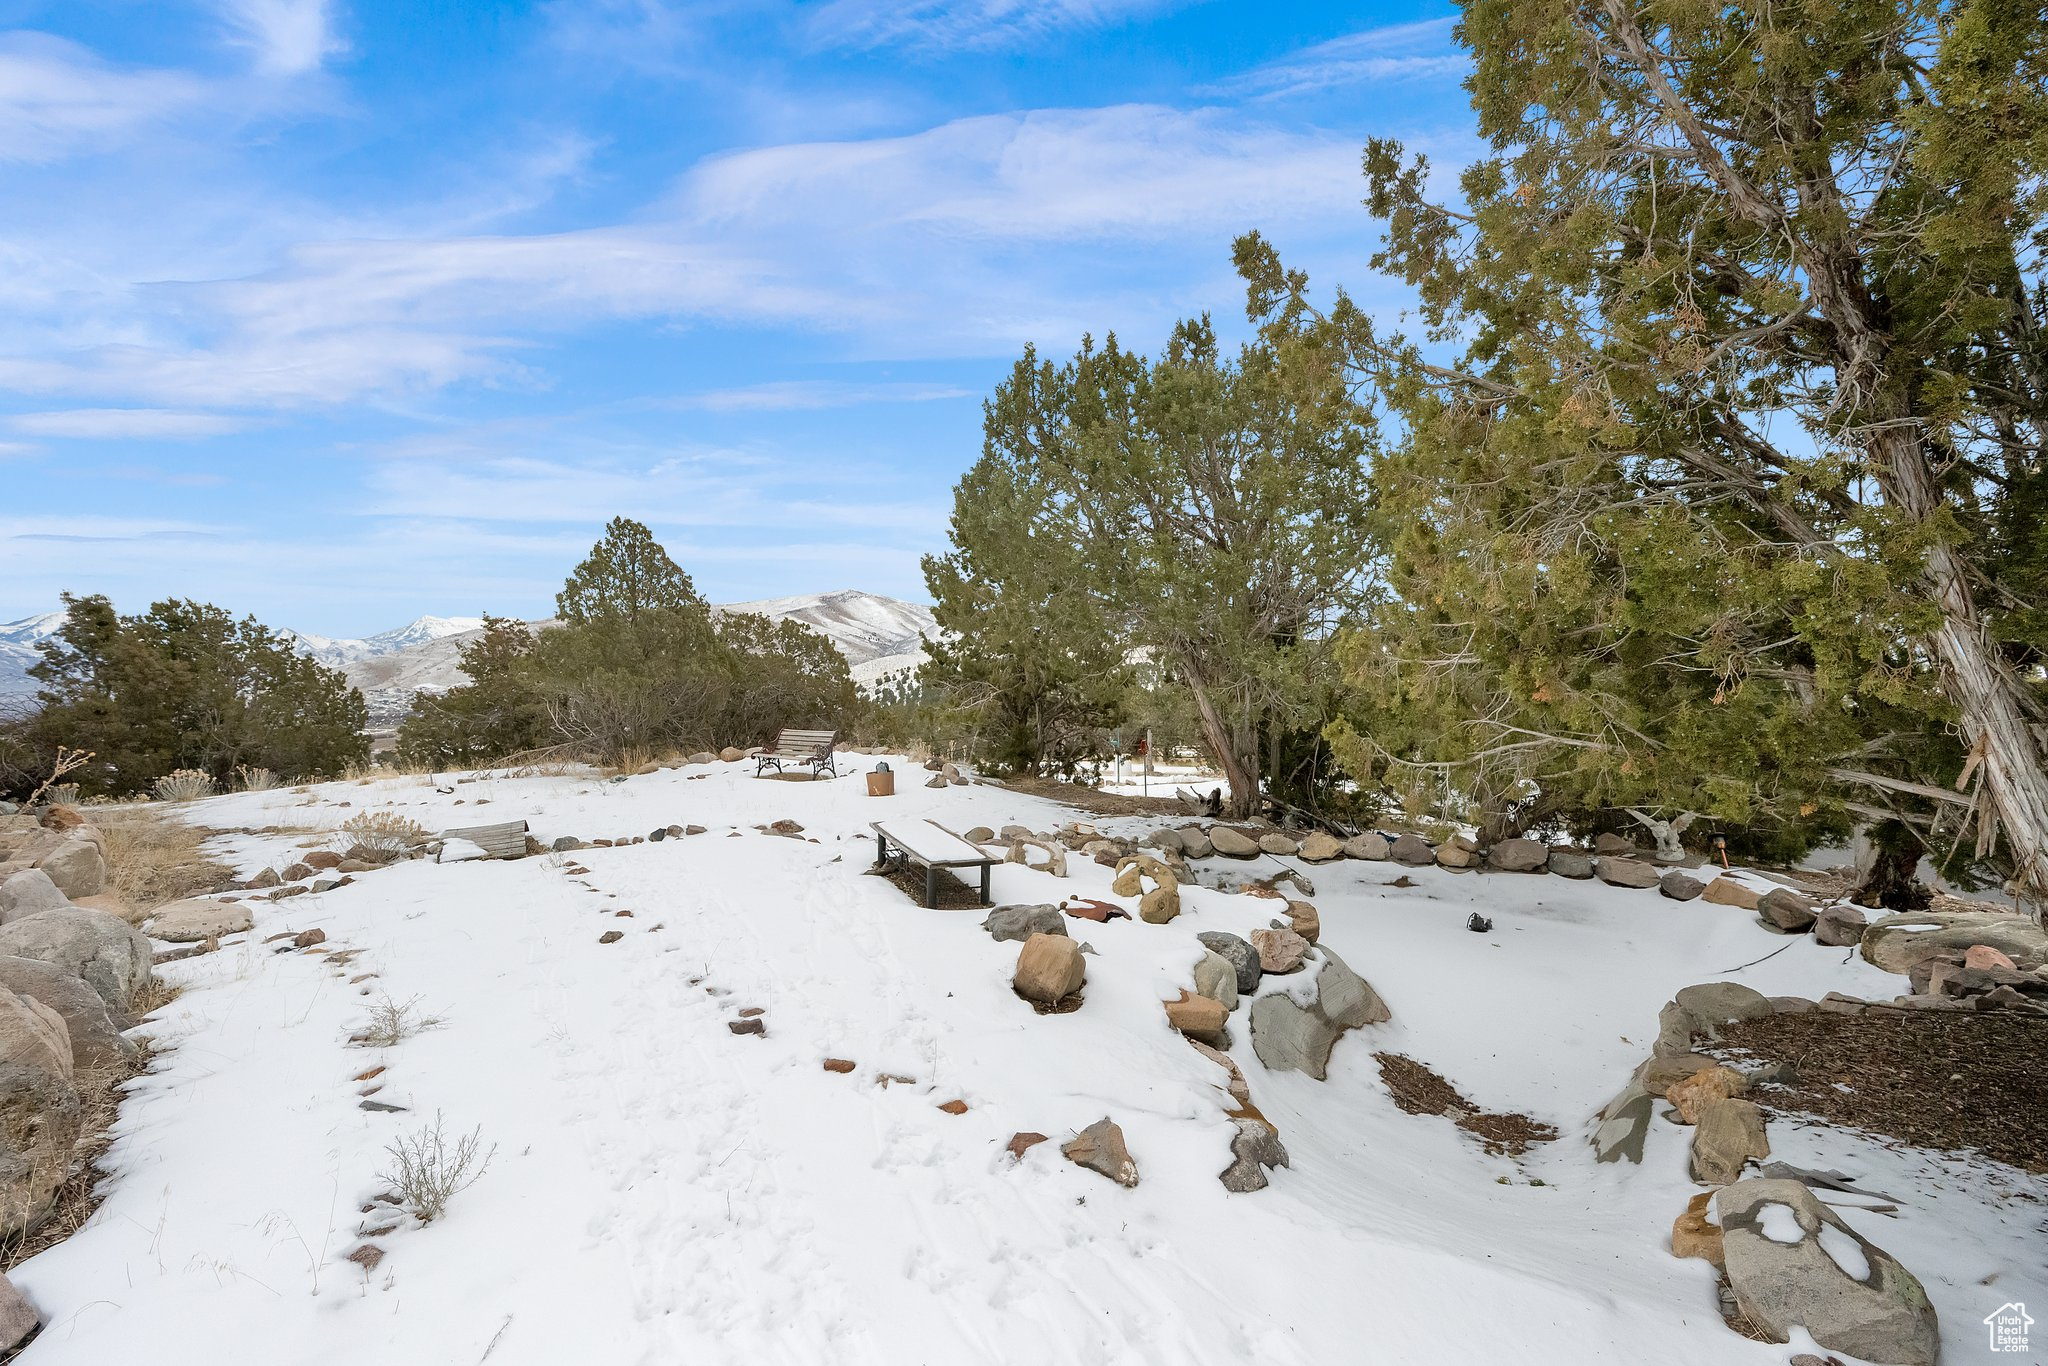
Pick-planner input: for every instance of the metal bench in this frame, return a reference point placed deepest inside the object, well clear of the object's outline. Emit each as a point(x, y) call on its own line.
point(810, 749)
point(932, 846)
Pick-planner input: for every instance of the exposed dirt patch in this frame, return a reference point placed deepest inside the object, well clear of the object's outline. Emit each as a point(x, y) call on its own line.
point(1099, 803)
point(954, 895)
point(1420, 1091)
point(1934, 1079)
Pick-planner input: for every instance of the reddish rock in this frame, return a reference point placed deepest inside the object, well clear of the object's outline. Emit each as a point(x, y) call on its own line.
point(306, 939)
point(1196, 1015)
point(1707, 1084)
point(839, 1064)
point(1100, 1148)
point(955, 1107)
point(1021, 1143)
point(1280, 951)
point(1694, 1235)
point(1981, 956)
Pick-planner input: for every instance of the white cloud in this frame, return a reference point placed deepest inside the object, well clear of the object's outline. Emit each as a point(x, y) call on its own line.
point(964, 23)
point(58, 99)
point(796, 395)
point(120, 423)
point(1396, 52)
point(289, 37)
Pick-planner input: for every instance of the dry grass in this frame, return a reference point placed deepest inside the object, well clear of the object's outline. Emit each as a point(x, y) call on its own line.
point(154, 996)
point(99, 1095)
point(152, 860)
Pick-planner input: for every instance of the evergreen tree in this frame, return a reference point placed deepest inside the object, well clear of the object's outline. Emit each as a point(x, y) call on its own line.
point(1219, 511)
point(1749, 385)
point(626, 575)
point(187, 686)
point(500, 711)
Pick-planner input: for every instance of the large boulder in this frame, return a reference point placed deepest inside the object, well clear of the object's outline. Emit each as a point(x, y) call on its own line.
point(1727, 891)
point(1233, 843)
point(1370, 845)
point(1021, 922)
point(97, 1044)
point(1240, 954)
point(40, 1114)
point(1571, 863)
point(78, 866)
point(1786, 910)
point(1699, 1012)
point(1279, 950)
point(109, 954)
point(1162, 902)
point(1519, 856)
point(1897, 943)
point(198, 918)
point(1273, 842)
point(1452, 854)
point(1320, 847)
point(1290, 1036)
point(1216, 978)
point(1727, 1135)
point(1412, 850)
point(1624, 1125)
point(1254, 1148)
point(1195, 843)
point(27, 892)
point(1625, 872)
point(1680, 886)
point(1840, 926)
point(1100, 1148)
point(1049, 968)
point(1793, 1264)
point(18, 1318)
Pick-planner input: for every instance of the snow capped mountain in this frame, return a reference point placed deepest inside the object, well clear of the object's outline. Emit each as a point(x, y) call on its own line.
point(18, 650)
point(865, 626)
point(341, 653)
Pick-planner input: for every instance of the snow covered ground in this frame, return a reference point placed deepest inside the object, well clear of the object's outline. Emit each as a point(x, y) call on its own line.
point(664, 1191)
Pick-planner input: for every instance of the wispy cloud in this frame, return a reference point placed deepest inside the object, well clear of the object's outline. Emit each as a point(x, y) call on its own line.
point(288, 37)
point(1421, 51)
point(58, 99)
point(964, 23)
point(798, 395)
point(104, 424)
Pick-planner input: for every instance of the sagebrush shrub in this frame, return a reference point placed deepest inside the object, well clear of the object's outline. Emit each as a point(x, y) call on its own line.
point(184, 785)
point(386, 832)
point(427, 1172)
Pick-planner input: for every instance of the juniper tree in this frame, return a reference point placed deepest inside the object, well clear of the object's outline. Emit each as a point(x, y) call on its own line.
point(1744, 304)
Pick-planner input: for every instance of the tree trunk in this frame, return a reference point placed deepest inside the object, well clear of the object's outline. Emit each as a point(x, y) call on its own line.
point(1992, 703)
point(1242, 777)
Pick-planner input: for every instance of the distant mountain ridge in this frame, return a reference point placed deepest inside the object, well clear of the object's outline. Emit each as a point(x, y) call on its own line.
point(878, 635)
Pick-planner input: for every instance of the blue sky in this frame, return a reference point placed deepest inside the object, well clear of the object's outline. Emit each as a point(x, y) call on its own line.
point(341, 313)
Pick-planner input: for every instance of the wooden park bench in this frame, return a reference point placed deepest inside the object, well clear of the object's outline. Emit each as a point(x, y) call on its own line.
point(807, 748)
point(932, 846)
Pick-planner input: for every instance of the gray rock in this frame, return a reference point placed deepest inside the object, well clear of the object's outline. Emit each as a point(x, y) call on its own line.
point(1624, 872)
point(1100, 1148)
point(980, 834)
point(1255, 1148)
point(28, 892)
point(1216, 978)
point(1344, 997)
point(18, 1317)
point(1319, 846)
point(1273, 842)
point(1195, 843)
point(565, 843)
point(1239, 953)
point(1519, 856)
point(1371, 845)
point(196, 918)
point(96, 1041)
point(1787, 910)
point(1624, 1125)
point(1713, 1004)
point(1680, 886)
point(108, 953)
point(1412, 850)
point(77, 866)
point(40, 1113)
point(1728, 1136)
point(1164, 839)
point(1571, 863)
point(1839, 926)
point(1233, 843)
point(1883, 1315)
point(1897, 943)
point(1614, 846)
point(1021, 922)
point(1290, 1038)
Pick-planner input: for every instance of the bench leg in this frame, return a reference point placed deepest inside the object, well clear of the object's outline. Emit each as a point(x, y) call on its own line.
point(984, 884)
point(881, 850)
point(931, 887)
